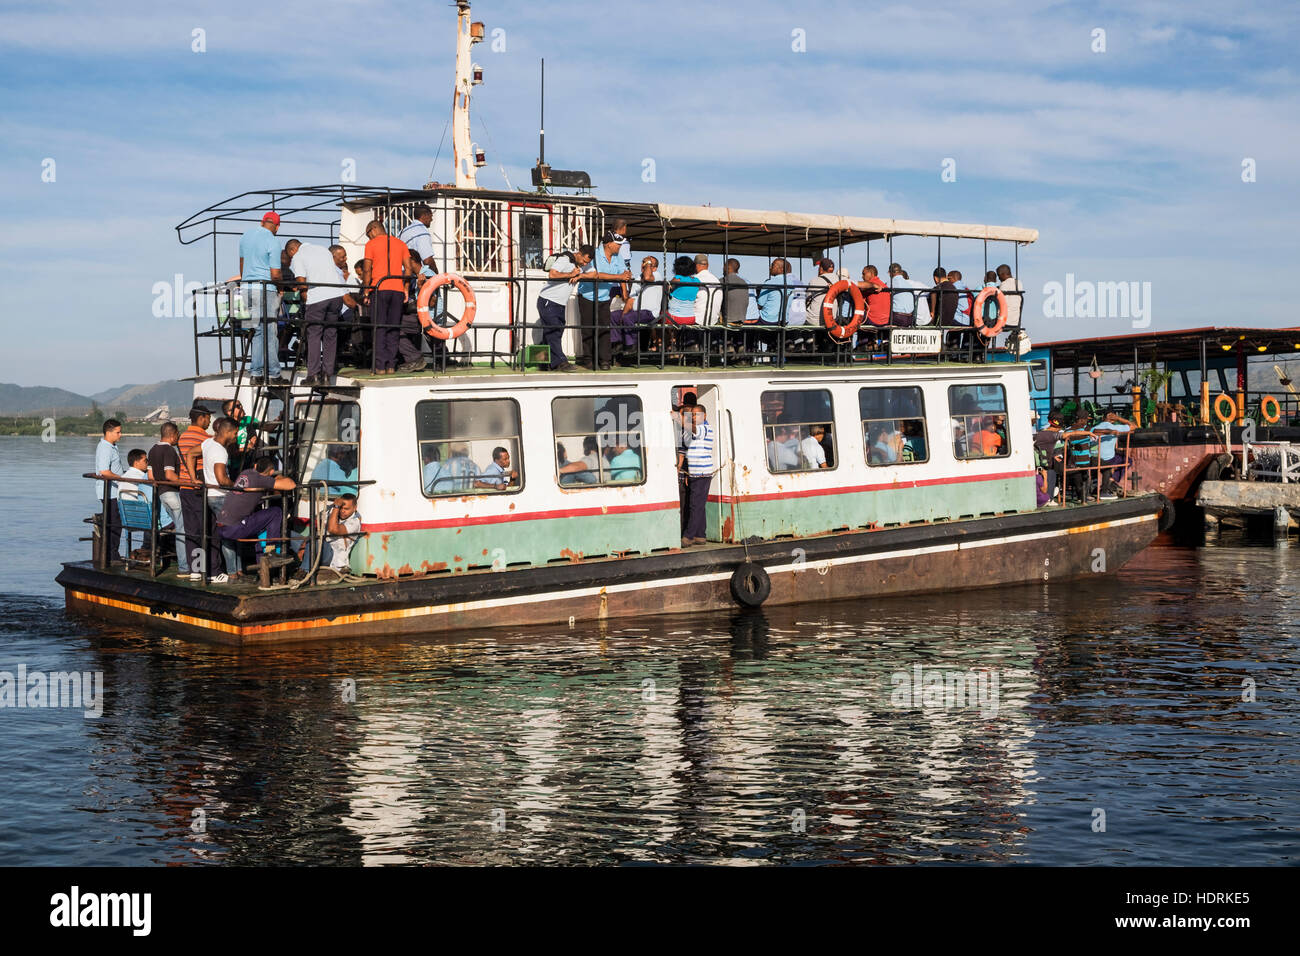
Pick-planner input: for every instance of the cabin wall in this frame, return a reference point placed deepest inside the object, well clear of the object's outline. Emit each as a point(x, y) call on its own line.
point(544, 522)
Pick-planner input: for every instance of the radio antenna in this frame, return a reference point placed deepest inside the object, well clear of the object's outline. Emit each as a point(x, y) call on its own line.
point(541, 123)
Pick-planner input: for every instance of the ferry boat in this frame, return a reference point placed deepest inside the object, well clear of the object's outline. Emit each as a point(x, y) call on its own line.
point(923, 479)
point(1196, 397)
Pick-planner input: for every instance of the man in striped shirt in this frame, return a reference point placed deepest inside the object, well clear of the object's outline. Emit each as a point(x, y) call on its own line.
point(699, 474)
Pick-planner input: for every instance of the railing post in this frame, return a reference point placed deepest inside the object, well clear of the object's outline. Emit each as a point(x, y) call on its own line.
point(103, 557)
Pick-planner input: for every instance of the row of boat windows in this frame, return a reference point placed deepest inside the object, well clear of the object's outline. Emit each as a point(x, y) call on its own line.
point(473, 446)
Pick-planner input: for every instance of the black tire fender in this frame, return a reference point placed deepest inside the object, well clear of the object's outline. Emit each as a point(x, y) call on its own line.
point(1168, 514)
point(750, 585)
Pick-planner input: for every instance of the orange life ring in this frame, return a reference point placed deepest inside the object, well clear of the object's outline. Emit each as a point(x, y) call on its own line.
point(426, 293)
point(977, 307)
point(1218, 408)
point(830, 313)
point(1277, 409)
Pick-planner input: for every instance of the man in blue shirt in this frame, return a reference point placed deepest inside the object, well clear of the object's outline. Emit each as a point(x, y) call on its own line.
point(1108, 431)
point(625, 463)
point(108, 465)
point(431, 471)
point(259, 271)
point(699, 476)
point(498, 476)
point(331, 469)
point(771, 296)
point(606, 266)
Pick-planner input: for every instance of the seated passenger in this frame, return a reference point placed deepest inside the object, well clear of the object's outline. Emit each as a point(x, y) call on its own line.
point(886, 444)
point(331, 468)
point(458, 471)
point(624, 462)
point(987, 442)
point(811, 450)
point(914, 441)
point(498, 476)
point(1107, 431)
point(685, 288)
point(782, 452)
point(584, 471)
point(137, 460)
point(432, 469)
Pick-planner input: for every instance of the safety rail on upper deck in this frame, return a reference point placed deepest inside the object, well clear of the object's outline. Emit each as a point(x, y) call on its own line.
point(774, 327)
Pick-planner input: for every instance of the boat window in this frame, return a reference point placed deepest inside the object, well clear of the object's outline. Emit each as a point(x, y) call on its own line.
point(1038, 374)
point(799, 430)
point(599, 440)
point(335, 439)
point(469, 446)
point(979, 421)
point(893, 425)
point(530, 240)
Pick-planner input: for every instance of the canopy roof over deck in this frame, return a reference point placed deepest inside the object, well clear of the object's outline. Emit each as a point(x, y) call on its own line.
point(760, 232)
point(1172, 345)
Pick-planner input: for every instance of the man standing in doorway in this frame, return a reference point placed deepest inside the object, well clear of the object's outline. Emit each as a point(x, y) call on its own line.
point(699, 476)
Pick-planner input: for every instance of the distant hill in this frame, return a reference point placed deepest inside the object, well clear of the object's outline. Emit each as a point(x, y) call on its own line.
point(128, 399)
point(30, 400)
point(145, 398)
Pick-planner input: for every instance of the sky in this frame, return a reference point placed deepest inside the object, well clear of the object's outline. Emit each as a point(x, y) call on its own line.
point(1162, 150)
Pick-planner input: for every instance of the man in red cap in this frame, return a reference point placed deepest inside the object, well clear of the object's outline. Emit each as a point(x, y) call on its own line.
point(259, 271)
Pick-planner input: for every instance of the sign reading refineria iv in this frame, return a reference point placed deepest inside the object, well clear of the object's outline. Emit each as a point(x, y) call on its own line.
point(915, 341)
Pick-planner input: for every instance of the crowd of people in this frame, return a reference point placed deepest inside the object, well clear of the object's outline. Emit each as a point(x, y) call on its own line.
point(1085, 451)
point(620, 315)
point(217, 460)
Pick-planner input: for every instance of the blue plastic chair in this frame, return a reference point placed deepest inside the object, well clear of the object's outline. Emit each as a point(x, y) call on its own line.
point(136, 514)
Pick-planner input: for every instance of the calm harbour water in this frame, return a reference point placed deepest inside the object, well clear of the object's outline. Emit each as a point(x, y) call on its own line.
point(765, 738)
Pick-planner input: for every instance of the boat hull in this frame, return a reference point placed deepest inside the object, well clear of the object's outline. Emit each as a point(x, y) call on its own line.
point(1020, 548)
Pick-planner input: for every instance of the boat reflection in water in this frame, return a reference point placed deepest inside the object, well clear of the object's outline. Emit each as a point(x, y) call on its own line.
point(786, 735)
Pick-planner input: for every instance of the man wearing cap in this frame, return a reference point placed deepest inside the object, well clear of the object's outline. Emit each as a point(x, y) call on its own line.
point(259, 271)
point(384, 269)
point(706, 303)
point(605, 267)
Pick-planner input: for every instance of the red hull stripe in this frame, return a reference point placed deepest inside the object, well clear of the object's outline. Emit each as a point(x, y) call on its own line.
point(466, 520)
point(855, 489)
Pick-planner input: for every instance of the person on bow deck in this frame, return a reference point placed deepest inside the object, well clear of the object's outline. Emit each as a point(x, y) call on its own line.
point(699, 470)
point(384, 272)
point(165, 467)
point(239, 519)
point(190, 446)
point(259, 275)
point(241, 449)
point(216, 467)
point(108, 466)
point(606, 267)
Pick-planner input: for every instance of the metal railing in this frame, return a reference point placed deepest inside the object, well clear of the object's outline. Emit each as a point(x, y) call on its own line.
point(314, 540)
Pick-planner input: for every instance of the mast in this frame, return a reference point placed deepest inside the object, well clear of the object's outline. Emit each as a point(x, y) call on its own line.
point(466, 156)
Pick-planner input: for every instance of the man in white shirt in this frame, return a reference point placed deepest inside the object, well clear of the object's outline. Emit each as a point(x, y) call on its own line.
point(710, 296)
point(1009, 284)
point(319, 268)
point(216, 464)
point(814, 455)
point(817, 288)
point(551, 304)
point(903, 305)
